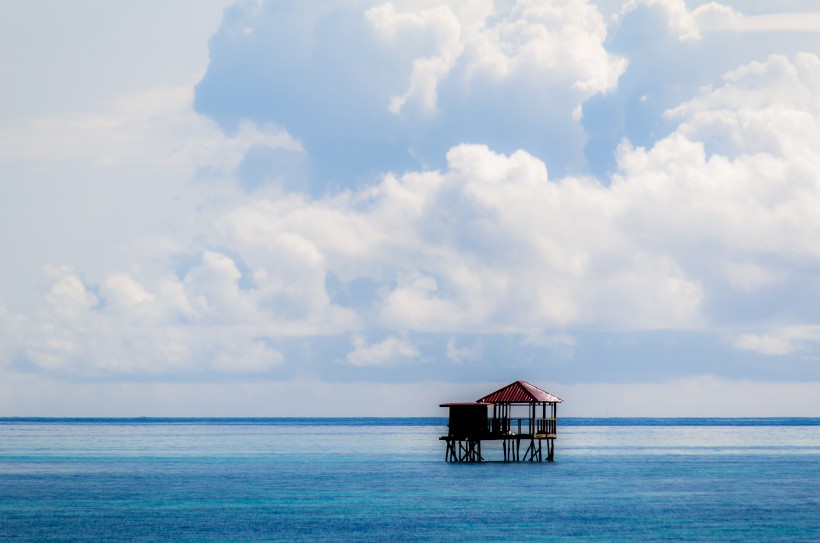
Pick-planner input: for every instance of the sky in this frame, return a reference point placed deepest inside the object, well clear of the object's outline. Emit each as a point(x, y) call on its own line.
point(368, 208)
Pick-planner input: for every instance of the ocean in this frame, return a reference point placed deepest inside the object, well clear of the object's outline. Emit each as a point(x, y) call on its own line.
point(386, 480)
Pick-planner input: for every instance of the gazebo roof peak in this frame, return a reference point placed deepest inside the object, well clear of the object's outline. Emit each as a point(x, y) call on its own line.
point(519, 392)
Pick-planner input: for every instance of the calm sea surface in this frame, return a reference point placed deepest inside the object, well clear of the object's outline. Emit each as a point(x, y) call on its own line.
point(386, 480)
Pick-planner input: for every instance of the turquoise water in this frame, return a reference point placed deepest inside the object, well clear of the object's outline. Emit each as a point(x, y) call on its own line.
point(385, 480)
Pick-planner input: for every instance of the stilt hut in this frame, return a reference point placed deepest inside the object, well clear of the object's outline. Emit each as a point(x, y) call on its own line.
point(512, 414)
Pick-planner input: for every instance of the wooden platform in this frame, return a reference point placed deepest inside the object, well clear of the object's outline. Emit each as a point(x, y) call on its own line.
point(468, 449)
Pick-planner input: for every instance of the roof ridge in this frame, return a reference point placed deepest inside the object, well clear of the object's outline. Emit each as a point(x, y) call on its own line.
point(526, 386)
point(519, 392)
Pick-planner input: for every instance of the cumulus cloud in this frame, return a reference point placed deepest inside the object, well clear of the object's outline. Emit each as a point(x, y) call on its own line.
point(491, 244)
point(780, 340)
point(743, 150)
point(542, 42)
point(68, 295)
point(673, 50)
point(130, 184)
point(255, 356)
point(421, 77)
point(390, 350)
point(687, 24)
point(762, 107)
point(121, 289)
point(462, 354)
point(201, 323)
point(691, 24)
point(471, 233)
point(441, 27)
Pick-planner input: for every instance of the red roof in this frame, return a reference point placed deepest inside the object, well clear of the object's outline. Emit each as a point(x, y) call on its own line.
point(519, 392)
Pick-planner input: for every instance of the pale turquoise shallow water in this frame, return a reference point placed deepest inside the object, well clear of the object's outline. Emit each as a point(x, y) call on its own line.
point(385, 480)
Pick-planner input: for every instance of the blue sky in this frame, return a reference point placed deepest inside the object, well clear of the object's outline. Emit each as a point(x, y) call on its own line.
point(216, 208)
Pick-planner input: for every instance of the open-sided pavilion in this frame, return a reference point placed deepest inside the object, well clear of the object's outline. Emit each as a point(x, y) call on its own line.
point(517, 412)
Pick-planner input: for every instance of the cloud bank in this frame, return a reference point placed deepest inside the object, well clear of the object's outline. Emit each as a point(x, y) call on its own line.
point(402, 192)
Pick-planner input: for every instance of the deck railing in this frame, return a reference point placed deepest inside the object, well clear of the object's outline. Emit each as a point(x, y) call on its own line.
point(519, 426)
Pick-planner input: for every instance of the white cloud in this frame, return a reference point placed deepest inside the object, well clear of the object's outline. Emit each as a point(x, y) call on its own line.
point(423, 76)
point(764, 344)
point(758, 190)
point(416, 303)
point(532, 44)
point(68, 295)
point(541, 41)
point(441, 27)
point(716, 217)
point(491, 244)
point(723, 18)
point(688, 24)
point(212, 286)
point(462, 354)
point(763, 107)
point(750, 277)
point(679, 19)
point(256, 356)
point(156, 126)
point(121, 289)
point(163, 326)
point(779, 340)
point(389, 351)
point(133, 183)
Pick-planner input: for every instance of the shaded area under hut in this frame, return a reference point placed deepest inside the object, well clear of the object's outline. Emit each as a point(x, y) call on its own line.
point(519, 412)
